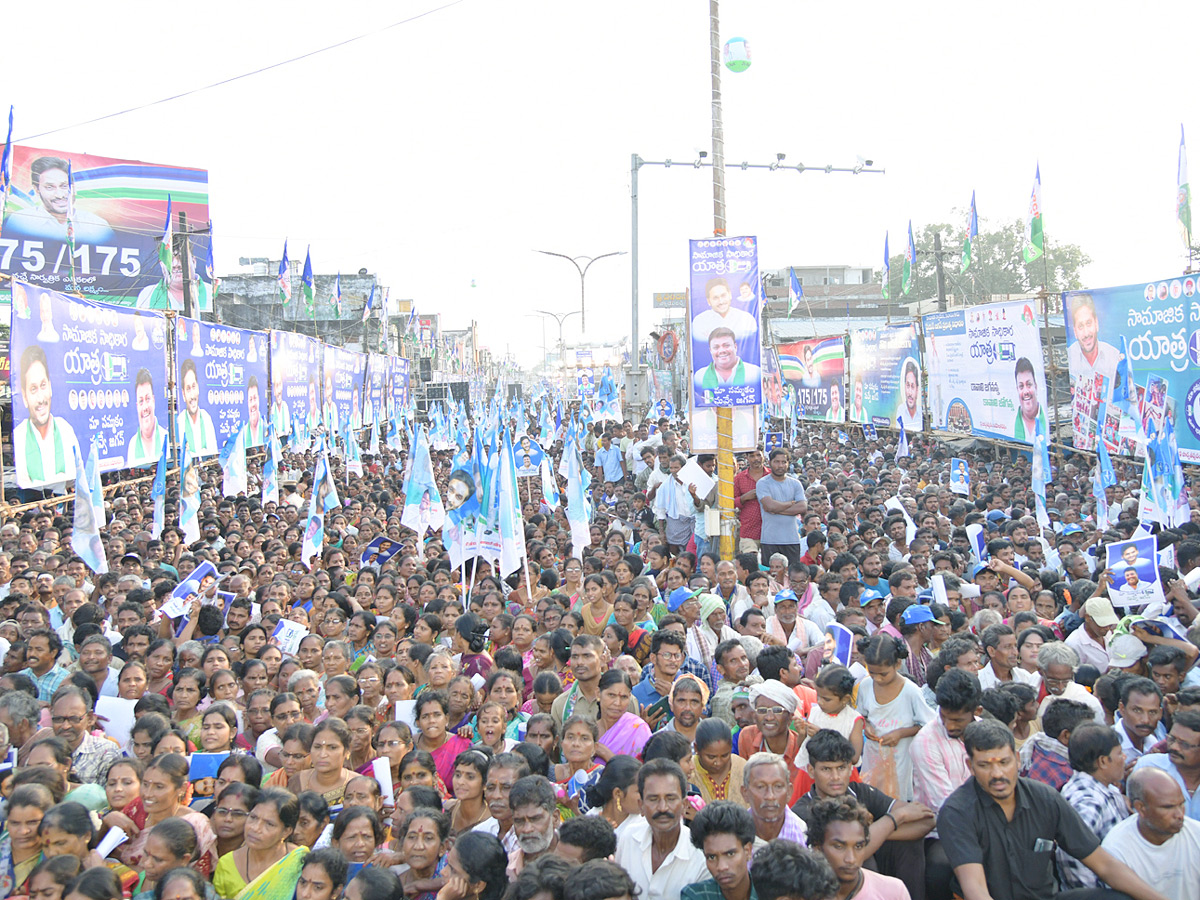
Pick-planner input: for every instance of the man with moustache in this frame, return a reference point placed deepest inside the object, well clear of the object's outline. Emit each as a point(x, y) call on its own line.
point(535, 821)
point(657, 852)
point(145, 447)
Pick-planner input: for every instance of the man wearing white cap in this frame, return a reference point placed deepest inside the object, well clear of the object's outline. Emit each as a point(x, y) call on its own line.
point(1090, 639)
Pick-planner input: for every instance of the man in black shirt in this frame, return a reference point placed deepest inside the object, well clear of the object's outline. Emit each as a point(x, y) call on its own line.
point(895, 839)
point(1000, 831)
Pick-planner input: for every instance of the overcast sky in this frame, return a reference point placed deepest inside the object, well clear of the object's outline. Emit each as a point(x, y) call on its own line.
point(446, 150)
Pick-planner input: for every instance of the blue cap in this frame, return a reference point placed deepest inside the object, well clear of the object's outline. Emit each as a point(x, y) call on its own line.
point(1072, 529)
point(678, 597)
point(916, 614)
point(997, 515)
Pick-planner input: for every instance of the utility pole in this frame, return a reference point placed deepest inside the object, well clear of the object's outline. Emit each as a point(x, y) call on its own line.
point(186, 241)
point(941, 272)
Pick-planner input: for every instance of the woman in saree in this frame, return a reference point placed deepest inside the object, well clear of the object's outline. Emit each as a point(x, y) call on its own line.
point(165, 790)
point(625, 613)
point(330, 751)
point(432, 711)
point(621, 731)
point(21, 847)
point(267, 865)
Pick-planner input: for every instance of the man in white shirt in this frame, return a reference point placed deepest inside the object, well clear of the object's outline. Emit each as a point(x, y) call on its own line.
point(657, 852)
point(1160, 843)
point(1090, 639)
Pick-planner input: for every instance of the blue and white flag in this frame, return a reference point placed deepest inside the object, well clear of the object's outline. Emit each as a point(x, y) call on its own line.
point(89, 512)
point(370, 303)
point(337, 295)
point(512, 526)
point(1040, 475)
point(270, 477)
point(314, 530)
point(578, 514)
point(373, 443)
point(423, 507)
point(901, 442)
point(235, 480)
point(549, 484)
point(158, 491)
point(283, 280)
point(324, 487)
point(795, 291)
point(189, 494)
point(393, 435)
point(354, 464)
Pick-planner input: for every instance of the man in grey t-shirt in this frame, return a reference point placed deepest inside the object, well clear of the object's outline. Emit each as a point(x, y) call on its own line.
point(782, 499)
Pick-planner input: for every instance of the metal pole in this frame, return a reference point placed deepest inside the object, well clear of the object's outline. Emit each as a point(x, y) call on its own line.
point(941, 273)
point(635, 164)
point(725, 462)
point(183, 258)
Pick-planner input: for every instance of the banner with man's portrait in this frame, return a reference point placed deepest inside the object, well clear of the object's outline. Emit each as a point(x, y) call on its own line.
point(342, 397)
point(221, 380)
point(816, 370)
point(295, 390)
point(885, 377)
point(986, 371)
point(725, 322)
point(372, 402)
point(399, 384)
point(116, 209)
point(84, 370)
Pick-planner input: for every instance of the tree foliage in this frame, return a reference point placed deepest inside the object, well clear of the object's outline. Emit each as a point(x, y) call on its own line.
point(997, 266)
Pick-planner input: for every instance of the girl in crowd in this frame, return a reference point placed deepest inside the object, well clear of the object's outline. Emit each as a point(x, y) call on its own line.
point(418, 768)
point(468, 810)
point(490, 723)
point(718, 769)
point(475, 869)
point(615, 794)
point(322, 876)
point(834, 709)
point(51, 876)
point(313, 818)
point(893, 708)
point(542, 731)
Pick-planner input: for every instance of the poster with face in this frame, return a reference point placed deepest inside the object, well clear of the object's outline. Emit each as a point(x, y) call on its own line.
point(222, 384)
point(1133, 572)
point(960, 477)
point(885, 377)
point(724, 322)
point(295, 373)
point(528, 455)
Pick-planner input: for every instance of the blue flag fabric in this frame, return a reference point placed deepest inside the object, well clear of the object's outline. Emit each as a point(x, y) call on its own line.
point(89, 512)
point(158, 491)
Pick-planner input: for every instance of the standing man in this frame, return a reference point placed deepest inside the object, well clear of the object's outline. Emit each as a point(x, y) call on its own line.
point(656, 852)
point(1160, 843)
point(745, 501)
point(998, 830)
point(782, 498)
point(42, 443)
point(193, 421)
point(145, 446)
point(610, 460)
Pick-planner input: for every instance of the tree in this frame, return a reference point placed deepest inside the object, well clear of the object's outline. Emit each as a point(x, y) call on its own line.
point(997, 266)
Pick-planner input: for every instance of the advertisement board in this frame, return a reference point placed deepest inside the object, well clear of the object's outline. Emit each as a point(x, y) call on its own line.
point(85, 371)
point(295, 373)
point(117, 216)
point(885, 377)
point(1160, 324)
point(986, 372)
point(377, 372)
point(772, 385)
point(816, 370)
point(222, 384)
point(344, 379)
point(400, 369)
point(586, 381)
point(724, 322)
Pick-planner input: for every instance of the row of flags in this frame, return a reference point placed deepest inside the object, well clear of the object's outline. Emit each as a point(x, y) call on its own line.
point(308, 290)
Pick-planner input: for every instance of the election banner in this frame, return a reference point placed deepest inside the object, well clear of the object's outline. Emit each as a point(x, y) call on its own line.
point(772, 384)
point(986, 372)
point(399, 384)
point(885, 377)
point(1133, 352)
point(295, 370)
point(724, 322)
point(816, 370)
point(116, 210)
point(377, 372)
point(344, 371)
point(586, 382)
point(222, 384)
point(85, 370)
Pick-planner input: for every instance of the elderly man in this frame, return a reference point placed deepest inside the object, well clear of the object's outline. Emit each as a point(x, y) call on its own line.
point(657, 852)
point(1057, 661)
point(535, 821)
point(774, 704)
point(19, 713)
point(1160, 843)
point(767, 784)
point(72, 718)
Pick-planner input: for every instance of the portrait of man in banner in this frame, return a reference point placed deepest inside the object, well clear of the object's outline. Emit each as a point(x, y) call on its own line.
point(193, 421)
point(909, 411)
point(1087, 355)
point(721, 313)
point(726, 369)
point(1029, 408)
point(49, 178)
point(281, 416)
point(42, 443)
point(145, 446)
point(256, 425)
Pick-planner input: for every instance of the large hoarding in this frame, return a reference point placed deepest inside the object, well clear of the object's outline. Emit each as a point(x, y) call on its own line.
point(725, 322)
point(120, 207)
point(85, 371)
point(986, 371)
point(400, 374)
point(1160, 322)
point(885, 377)
point(372, 406)
point(222, 384)
point(344, 379)
point(816, 370)
point(295, 391)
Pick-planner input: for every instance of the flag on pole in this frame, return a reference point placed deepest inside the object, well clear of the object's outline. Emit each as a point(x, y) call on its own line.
point(1183, 194)
point(423, 507)
point(1040, 474)
point(1035, 242)
point(158, 492)
point(235, 480)
point(902, 442)
point(512, 527)
point(337, 295)
point(314, 528)
point(166, 245)
point(306, 284)
point(71, 222)
point(795, 291)
point(270, 476)
point(89, 512)
point(6, 167)
point(354, 464)
point(284, 279)
point(887, 269)
point(189, 494)
point(370, 302)
point(910, 263)
point(210, 269)
point(972, 233)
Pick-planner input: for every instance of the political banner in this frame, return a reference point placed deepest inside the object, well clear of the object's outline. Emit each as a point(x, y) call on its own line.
point(295, 372)
point(885, 377)
point(222, 384)
point(986, 372)
point(344, 378)
point(772, 384)
point(1133, 572)
point(115, 210)
point(1157, 326)
point(85, 370)
point(724, 322)
point(399, 384)
point(586, 382)
point(816, 370)
point(377, 373)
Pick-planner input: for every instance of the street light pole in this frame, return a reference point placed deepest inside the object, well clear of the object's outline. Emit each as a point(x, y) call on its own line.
point(560, 318)
point(582, 270)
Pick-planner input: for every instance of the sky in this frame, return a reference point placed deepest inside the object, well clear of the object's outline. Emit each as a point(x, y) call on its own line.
point(442, 153)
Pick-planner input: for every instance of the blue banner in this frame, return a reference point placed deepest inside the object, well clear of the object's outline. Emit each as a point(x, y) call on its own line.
point(222, 383)
point(1156, 380)
point(295, 370)
point(885, 377)
point(82, 369)
point(725, 328)
point(377, 372)
point(399, 384)
point(344, 370)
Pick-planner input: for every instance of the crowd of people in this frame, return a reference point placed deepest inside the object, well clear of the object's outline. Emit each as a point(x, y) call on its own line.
point(863, 702)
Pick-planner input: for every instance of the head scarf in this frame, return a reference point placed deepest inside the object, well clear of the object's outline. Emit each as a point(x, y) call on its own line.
point(776, 692)
point(709, 604)
point(691, 681)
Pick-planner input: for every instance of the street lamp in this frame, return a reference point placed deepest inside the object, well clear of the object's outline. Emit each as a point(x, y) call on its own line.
point(582, 270)
point(559, 318)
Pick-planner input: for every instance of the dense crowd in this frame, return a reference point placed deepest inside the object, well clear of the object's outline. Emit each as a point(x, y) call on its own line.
point(863, 702)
